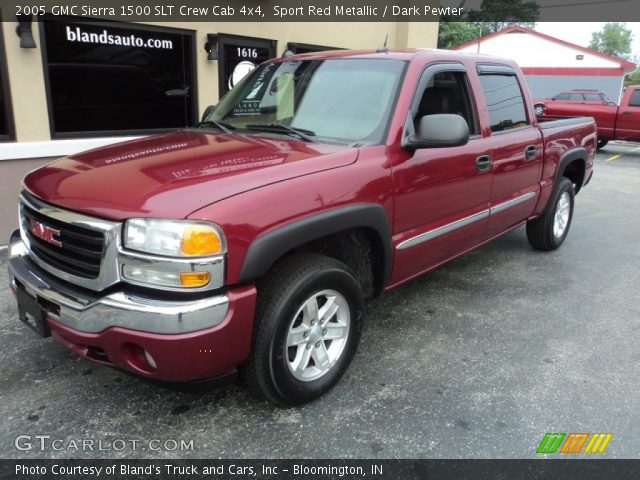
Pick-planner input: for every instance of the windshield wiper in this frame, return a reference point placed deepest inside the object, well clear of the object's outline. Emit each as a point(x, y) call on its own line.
point(279, 127)
point(223, 127)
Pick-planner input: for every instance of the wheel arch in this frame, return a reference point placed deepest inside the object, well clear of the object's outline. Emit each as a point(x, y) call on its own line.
point(572, 165)
point(365, 222)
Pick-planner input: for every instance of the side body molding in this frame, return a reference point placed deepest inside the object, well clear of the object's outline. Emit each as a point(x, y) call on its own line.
point(269, 247)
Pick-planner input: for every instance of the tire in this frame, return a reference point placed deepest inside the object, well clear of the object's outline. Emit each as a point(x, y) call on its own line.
point(548, 231)
point(287, 334)
point(601, 144)
point(539, 109)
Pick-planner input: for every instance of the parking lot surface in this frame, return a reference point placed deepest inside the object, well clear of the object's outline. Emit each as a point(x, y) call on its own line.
point(478, 359)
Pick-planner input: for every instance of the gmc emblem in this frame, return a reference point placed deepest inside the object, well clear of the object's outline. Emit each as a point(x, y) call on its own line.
point(44, 232)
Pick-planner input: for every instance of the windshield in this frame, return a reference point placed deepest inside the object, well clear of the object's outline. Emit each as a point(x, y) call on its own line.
point(348, 100)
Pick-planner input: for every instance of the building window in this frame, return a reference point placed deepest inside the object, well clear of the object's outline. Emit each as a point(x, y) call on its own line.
point(240, 55)
point(106, 78)
point(6, 124)
point(505, 102)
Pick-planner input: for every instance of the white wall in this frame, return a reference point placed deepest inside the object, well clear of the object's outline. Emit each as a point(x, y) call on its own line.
point(532, 51)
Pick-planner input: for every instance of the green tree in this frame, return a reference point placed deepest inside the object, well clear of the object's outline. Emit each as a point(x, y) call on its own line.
point(453, 33)
point(632, 79)
point(614, 38)
point(494, 15)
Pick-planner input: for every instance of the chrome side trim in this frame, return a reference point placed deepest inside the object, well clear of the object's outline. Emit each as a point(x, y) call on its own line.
point(92, 313)
point(450, 227)
point(512, 203)
point(463, 222)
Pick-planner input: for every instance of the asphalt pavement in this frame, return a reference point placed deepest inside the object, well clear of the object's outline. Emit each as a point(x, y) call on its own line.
point(478, 359)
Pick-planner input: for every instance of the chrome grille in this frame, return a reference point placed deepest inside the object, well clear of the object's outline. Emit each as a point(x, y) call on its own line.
point(80, 251)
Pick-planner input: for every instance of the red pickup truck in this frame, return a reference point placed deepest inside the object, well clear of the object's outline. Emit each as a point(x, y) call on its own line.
point(252, 241)
point(614, 122)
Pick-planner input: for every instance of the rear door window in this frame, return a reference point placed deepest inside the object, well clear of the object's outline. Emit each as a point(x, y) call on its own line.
point(505, 102)
point(634, 101)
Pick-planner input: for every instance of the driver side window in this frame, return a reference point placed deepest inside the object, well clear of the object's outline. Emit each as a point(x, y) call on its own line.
point(448, 92)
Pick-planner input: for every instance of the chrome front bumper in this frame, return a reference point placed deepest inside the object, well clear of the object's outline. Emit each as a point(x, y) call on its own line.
point(90, 312)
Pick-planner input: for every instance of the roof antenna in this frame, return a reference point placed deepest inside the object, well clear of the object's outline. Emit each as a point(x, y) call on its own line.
point(383, 48)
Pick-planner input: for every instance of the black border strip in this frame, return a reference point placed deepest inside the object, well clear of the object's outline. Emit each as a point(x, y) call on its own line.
point(6, 91)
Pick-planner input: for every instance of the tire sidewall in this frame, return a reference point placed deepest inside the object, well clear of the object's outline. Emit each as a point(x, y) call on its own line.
point(564, 186)
point(287, 386)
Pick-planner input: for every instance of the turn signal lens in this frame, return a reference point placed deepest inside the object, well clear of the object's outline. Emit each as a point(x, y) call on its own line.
point(200, 240)
point(194, 279)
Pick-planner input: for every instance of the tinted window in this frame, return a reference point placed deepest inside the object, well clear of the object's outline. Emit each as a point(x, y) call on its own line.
point(562, 96)
point(634, 101)
point(336, 99)
point(115, 77)
point(505, 103)
point(447, 92)
point(592, 97)
point(576, 97)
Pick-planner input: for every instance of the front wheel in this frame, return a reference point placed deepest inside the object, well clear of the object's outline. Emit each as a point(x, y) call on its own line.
point(308, 324)
point(601, 144)
point(548, 231)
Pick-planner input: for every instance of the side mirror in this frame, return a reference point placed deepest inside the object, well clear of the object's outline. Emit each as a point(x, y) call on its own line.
point(208, 111)
point(440, 130)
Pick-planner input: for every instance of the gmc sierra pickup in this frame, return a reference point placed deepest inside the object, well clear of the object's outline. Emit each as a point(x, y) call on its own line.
point(251, 241)
point(614, 122)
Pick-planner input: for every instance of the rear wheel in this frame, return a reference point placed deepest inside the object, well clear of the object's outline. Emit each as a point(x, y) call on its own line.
point(602, 144)
point(548, 231)
point(308, 324)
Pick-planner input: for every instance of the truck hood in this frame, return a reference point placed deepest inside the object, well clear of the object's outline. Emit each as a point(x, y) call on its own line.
point(173, 175)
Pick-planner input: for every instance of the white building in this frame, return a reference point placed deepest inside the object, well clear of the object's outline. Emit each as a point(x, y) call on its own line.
point(552, 65)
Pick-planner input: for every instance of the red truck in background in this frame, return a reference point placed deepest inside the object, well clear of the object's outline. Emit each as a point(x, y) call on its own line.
point(252, 241)
point(614, 122)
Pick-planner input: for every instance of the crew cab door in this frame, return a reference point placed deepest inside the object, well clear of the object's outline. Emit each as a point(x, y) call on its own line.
point(628, 126)
point(515, 147)
point(441, 194)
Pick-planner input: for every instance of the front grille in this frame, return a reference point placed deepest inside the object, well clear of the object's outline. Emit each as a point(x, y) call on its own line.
point(81, 250)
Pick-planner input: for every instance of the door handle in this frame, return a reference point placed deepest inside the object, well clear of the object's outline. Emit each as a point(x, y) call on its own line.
point(626, 112)
point(530, 152)
point(483, 163)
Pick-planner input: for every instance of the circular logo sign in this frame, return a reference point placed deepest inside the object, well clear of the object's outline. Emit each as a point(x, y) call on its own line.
point(239, 72)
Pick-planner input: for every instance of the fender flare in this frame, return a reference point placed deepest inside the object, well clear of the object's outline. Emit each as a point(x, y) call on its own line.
point(576, 153)
point(267, 248)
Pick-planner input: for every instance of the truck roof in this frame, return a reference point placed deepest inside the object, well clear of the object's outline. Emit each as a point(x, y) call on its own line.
point(404, 54)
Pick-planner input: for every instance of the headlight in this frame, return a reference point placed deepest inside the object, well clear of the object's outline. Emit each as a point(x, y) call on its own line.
point(174, 238)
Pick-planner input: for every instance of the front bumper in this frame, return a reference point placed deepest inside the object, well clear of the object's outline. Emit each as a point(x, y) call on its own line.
point(187, 340)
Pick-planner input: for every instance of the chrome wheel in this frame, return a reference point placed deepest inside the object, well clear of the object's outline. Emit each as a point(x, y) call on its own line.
point(561, 217)
point(539, 109)
point(317, 335)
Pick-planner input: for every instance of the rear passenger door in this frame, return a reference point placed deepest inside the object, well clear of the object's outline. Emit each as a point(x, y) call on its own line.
point(516, 148)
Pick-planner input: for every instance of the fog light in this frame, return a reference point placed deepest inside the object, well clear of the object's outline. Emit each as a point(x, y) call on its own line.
point(165, 279)
point(150, 360)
